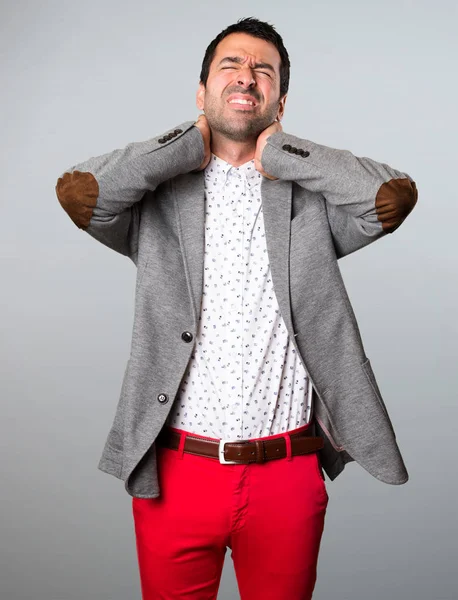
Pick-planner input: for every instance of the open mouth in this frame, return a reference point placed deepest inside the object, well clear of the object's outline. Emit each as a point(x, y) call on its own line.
point(242, 102)
point(241, 105)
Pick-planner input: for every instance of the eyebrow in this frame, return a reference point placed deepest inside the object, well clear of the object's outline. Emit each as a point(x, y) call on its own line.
point(239, 60)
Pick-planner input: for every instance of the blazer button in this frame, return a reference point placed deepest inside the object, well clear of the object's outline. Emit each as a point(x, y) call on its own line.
point(186, 336)
point(163, 398)
point(286, 147)
point(162, 140)
point(304, 152)
point(177, 131)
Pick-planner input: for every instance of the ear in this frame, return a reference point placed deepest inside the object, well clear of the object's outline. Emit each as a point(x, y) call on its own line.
point(200, 96)
point(281, 107)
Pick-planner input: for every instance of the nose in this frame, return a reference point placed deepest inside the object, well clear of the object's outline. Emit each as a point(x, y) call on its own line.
point(245, 78)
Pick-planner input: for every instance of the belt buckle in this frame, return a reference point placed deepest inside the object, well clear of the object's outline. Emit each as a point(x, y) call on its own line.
point(222, 460)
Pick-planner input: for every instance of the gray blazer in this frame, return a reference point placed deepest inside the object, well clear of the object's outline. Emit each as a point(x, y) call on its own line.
point(146, 201)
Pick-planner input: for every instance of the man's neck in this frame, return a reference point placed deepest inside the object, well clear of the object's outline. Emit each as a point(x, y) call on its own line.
point(235, 153)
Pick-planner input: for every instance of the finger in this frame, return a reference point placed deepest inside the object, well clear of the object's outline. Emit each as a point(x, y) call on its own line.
point(391, 223)
point(387, 211)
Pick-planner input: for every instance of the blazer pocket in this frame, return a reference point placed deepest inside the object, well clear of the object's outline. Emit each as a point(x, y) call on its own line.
point(140, 272)
point(367, 368)
point(116, 434)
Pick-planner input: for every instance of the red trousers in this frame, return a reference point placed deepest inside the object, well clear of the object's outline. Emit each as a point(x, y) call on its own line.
point(270, 515)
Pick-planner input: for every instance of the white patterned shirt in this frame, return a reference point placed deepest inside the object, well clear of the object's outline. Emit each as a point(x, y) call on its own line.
point(244, 379)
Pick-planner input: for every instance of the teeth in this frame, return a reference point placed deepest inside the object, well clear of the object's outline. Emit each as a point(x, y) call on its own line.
point(240, 101)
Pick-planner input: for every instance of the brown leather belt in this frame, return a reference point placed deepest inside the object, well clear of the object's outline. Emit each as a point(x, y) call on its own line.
point(244, 451)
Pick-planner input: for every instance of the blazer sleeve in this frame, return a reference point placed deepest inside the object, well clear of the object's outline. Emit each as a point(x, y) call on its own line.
point(103, 195)
point(365, 199)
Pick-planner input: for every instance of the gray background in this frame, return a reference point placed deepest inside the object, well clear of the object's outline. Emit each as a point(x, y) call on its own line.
point(83, 78)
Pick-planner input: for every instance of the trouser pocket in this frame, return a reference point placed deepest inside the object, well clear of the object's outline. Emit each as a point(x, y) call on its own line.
point(318, 465)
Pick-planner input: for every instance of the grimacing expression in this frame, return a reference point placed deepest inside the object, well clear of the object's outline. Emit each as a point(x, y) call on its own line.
point(242, 95)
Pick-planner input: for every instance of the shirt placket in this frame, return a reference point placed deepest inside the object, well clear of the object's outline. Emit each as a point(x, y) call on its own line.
point(243, 264)
point(238, 275)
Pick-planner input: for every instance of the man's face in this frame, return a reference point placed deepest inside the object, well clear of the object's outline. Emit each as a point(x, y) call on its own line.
point(243, 67)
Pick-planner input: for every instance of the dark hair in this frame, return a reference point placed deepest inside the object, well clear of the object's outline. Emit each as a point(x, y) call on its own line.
point(256, 28)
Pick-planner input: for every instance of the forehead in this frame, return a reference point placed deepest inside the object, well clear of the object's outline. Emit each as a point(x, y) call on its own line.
point(244, 45)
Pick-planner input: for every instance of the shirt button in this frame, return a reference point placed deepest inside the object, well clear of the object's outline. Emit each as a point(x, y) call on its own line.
point(163, 398)
point(186, 336)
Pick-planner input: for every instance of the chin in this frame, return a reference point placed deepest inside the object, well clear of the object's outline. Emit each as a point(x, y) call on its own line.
point(239, 134)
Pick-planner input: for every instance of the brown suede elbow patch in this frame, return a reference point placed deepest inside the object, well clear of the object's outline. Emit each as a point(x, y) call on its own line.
point(394, 201)
point(77, 192)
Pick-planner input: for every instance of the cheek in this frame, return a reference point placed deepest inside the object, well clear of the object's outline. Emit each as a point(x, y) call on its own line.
point(268, 89)
point(220, 82)
point(225, 83)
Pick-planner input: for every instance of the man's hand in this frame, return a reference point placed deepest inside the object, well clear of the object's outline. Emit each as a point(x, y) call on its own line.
point(260, 145)
point(204, 127)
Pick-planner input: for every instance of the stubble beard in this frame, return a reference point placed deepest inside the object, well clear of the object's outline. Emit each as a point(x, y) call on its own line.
point(242, 125)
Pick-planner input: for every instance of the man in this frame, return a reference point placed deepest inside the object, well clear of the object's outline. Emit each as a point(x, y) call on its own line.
point(247, 376)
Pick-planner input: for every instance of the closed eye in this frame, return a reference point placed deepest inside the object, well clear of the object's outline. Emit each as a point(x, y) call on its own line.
point(262, 72)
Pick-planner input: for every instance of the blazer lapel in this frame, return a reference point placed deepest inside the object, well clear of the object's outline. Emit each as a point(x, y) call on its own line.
point(276, 206)
point(190, 211)
point(276, 198)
